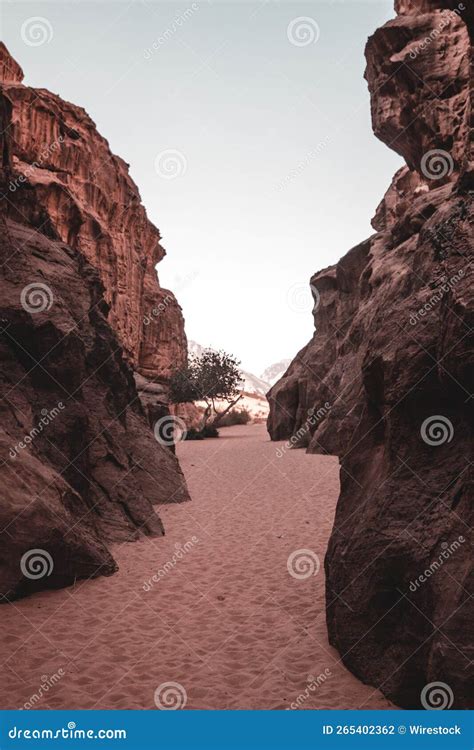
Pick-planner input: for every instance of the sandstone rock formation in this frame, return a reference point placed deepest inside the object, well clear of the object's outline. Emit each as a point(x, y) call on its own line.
point(87, 199)
point(79, 464)
point(385, 382)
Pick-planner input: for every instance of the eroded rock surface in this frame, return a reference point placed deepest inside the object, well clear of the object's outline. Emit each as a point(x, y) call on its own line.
point(86, 198)
point(79, 464)
point(386, 381)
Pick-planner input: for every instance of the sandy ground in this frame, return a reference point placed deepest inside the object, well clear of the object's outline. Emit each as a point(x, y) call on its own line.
point(224, 620)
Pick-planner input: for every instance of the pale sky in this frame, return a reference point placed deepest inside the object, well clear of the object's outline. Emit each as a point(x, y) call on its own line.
point(268, 122)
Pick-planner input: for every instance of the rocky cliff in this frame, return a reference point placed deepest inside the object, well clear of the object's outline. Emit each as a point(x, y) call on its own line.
point(86, 198)
point(385, 383)
point(79, 464)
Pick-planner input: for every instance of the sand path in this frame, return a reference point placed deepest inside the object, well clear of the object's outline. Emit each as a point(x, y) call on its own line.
point(225, 619)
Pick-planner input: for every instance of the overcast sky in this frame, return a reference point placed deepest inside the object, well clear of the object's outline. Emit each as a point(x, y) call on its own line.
point(271, 171)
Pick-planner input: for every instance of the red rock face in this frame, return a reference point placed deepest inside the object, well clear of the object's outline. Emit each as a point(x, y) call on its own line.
point(79, 464)
point(385, 382)
point(418, 65)
point(87, 199)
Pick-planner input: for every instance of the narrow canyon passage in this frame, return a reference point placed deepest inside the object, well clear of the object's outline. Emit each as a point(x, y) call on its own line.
point(224, 618)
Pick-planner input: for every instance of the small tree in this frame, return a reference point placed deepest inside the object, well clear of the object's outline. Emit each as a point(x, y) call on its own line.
point(210, 377)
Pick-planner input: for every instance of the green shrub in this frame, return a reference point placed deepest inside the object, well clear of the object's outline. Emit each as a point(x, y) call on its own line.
point(193, 434)
point(235, 416)
point(210, 432)
point(207, 432)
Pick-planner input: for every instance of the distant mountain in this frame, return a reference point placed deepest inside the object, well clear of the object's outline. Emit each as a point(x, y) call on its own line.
point(253, 384)
point(275, 371)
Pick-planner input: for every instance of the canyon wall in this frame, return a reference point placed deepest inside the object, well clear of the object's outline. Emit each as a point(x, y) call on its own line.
point(86, 198)
point(80, 466)
point(385, 383)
